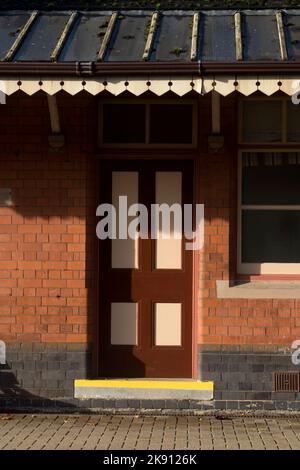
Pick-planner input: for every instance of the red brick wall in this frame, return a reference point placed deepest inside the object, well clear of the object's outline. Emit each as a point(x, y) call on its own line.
point(47, 239)
point(46, 251)
point(236, 321)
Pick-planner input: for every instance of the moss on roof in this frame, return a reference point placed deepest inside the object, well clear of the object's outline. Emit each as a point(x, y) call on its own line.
point(144, 4)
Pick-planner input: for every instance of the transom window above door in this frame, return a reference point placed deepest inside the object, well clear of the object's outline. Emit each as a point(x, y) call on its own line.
point(269, 212)
point(148, 123)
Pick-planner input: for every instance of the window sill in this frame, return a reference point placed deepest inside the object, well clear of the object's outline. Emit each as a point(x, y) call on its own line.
point(264, 289)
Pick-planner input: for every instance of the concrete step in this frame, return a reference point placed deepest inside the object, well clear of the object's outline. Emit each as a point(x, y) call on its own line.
point(147, 389)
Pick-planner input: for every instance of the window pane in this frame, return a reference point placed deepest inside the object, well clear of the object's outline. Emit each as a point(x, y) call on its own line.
point(124, 318)
point(293, 128)
point(168, 252)
point(171, 123)
point(167, 324)
point(271, 178)
point(124, 252)
point(124, 123)
point(270, 236)
point(262, 121)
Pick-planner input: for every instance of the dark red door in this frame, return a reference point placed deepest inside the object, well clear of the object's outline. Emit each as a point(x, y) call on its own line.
point(146, 283)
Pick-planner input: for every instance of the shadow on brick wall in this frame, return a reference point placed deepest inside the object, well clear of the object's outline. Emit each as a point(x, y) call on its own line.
point(9, 386)
point(48, 236)
point(14, 397)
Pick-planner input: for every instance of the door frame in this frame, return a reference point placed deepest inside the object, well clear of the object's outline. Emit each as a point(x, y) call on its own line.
point(126, 155)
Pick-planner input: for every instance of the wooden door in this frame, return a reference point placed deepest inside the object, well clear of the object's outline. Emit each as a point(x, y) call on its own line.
point(146, 284)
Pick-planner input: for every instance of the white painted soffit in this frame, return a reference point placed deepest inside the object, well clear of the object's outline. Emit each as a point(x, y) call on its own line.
point(181, 85)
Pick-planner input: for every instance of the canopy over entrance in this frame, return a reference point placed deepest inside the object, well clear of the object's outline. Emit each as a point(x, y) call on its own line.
point(137, 51)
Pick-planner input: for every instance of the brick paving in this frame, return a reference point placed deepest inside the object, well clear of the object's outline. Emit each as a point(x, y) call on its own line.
point(116, 432)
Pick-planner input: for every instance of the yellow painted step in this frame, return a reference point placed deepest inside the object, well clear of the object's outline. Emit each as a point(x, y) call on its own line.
point(146, 384)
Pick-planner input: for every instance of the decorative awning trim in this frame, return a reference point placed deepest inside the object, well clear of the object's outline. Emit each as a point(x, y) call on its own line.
point(180, 85)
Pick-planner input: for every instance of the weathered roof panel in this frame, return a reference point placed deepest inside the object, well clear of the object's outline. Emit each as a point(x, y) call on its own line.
point(173, 38)
point(128, 41)
point(42, 37)
point(122, 36)
point(217, 37)
point(261, 39)
point(292, 23)
point(85, 39)
point(10, 26)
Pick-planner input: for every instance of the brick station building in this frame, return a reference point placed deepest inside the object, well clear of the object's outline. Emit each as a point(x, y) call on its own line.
point(165, 106)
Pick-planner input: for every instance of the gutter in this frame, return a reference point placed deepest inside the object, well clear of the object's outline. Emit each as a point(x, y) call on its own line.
point(102, 69)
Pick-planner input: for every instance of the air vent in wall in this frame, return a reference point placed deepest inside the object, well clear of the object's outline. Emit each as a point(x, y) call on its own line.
point(286, 381)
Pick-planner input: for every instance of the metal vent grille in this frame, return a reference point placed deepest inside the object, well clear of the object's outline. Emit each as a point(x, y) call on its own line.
point(286, 381)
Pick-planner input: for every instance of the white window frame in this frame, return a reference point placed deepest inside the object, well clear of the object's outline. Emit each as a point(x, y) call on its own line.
point(261, 268)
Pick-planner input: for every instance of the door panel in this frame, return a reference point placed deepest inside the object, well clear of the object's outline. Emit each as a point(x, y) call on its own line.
point(146, 284)
point(124, 324)
point(168, 190)
point(167, 327)
point(124, 251)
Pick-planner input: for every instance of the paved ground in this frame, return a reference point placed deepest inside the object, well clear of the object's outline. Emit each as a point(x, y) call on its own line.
point(147, 432)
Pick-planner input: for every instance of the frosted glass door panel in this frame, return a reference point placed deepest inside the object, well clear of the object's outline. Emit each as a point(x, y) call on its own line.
point(167, 324)
point(168, 253)
point(124, 251)
point(124, 323)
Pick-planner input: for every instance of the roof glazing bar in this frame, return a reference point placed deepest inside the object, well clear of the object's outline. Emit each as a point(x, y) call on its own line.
point(281, 33)
point(195, 31)
point(107, 36)
point(238, 35)
point(64, 35)
point(151, 34)
point(16, 45)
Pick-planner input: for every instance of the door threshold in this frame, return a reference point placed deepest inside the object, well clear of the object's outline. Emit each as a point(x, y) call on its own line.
point(147, 389)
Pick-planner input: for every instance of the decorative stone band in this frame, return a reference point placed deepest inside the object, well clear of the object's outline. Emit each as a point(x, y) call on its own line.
point(181, 85)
